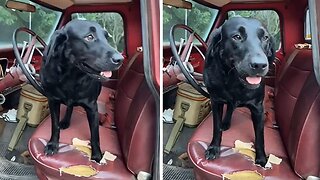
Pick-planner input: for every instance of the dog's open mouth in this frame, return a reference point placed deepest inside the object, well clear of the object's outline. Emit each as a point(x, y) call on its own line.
point(251, 82)
point(104, 75)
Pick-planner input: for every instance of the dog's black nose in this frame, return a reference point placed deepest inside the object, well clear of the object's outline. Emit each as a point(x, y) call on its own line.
point(258, 66)
point(117, 58)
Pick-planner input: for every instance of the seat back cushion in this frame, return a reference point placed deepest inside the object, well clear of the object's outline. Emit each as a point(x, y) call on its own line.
point(304, 135)
point(297, 109)
point(134, 119)
point(289, 89)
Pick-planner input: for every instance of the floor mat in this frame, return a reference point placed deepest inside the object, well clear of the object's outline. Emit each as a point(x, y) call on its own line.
point(177, 173)
point(12, 171)
point(182, 141)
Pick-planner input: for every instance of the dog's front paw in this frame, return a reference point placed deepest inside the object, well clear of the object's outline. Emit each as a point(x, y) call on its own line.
point(96, 156)
point(225, 126)
point(51, 148)
point(212, 152)
point(262, 161)
point(64, 124)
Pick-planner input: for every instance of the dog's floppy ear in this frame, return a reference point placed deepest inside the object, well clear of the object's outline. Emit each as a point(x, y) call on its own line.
point(271, 52)
point(55, 47)
point(215, 37)
point(214, 41)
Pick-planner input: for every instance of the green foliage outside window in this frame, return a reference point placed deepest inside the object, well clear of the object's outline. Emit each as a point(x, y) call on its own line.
point(200, 18)
point(43, 22)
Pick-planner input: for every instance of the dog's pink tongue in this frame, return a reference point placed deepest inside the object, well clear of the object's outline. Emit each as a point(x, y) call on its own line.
point(106, 73)
point(253, 80)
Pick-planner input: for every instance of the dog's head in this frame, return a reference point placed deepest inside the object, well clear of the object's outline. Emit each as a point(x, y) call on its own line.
point(245, 45)
point(84, 44)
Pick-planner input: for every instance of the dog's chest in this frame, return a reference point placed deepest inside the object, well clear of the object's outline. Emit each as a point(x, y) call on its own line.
point(236, 94)
point(73, 90)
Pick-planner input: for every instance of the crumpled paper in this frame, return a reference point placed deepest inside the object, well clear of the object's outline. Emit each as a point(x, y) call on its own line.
point(248, 150)
point(84, 146)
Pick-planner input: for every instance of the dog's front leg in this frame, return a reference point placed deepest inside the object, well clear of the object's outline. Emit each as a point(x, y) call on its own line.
point(213, 150)
point(258, 124)
point(65, 122)
point(227, 118)
point(93, 118)
point(53, 144)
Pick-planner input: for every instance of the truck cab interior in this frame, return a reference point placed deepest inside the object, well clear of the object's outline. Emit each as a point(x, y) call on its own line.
point(291, 126)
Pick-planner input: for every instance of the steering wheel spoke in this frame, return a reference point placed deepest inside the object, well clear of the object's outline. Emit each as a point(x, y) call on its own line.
point(189, 67)
point(24, 59)
point(183, 61)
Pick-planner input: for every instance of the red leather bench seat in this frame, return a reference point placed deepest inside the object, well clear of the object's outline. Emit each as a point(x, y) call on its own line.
point(67, 155)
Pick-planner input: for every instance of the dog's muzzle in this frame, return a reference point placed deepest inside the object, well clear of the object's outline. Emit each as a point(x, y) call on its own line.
point(99, 76)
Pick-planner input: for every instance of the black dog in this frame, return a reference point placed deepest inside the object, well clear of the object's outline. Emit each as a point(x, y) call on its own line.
point(236, 61)
point(77, 58)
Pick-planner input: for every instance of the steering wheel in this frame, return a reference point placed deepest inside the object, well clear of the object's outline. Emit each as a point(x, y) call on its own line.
point(182, 61)
point(23, 61)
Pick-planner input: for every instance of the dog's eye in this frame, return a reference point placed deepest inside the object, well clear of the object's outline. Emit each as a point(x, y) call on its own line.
point(89, 38)
point(237, 37)
point(264, 38)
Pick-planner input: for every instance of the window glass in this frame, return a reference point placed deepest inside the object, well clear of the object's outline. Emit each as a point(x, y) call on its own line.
point(200, 18)
point(43, 22)
point(307, 30)
point(112, 22)
point(269, 18)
